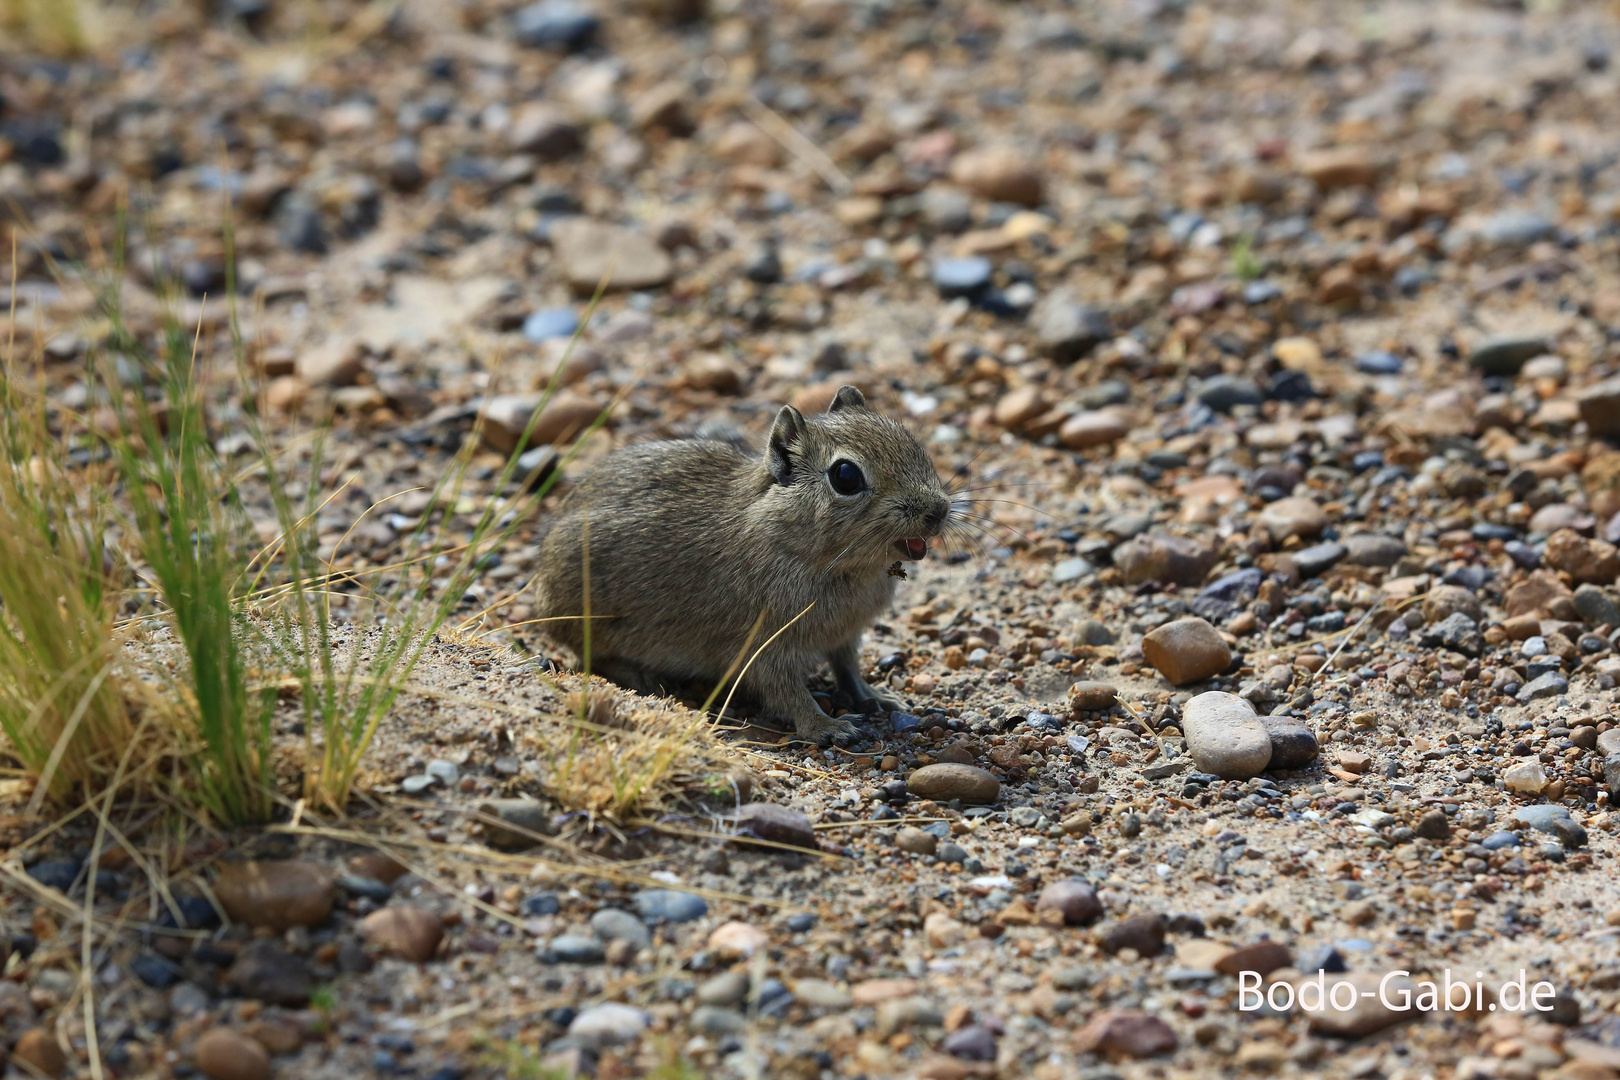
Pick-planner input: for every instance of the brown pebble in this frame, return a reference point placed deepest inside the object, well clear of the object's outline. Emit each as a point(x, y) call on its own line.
point(951, 781)
point(1126, 1033)
point(223, 1054)
point(1186, 650)
point(39, 1048)
point(279, 895)
point(411, 932)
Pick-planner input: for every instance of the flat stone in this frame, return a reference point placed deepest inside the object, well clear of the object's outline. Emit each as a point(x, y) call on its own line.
point(1173, 560)
point(998, 174)
point(820, 994)
point(576, 949)
point(717, 1020)
point(965, 276)
point(518, 823)
point(559, 24)
point(947, 781)
point(506, 417)
point(1552, 684)
point(588, 250)
point(1293, 516)
point(1595, 607)
point(1339, 167)
point(1263, 957)
point(737, 940)
point(916, 841)
point(265, 971)
point(1126, 1033)
point(1516, 228)
point(1553, 819)
point(1317, 558)
point(972, 1043)
point(1608, 742)
point(1293, 744)
point(279, 895)
point(1599, 406)
point(1505, 355)
point(1373, 549)
point(1369, 1013)
point(1225, 737)
point(608, 1024)
point(1186, 651)
point(1223, 393)
point(612, 924)
point(1084, 430)
point(1611, 774)
point(1144, 933)
point(774, 824)
point(1092, 696)
point(670, 905)
point(904, 1013)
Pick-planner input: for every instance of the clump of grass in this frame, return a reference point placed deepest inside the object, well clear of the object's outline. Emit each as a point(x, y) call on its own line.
point(62, 700)
point(53, 26)
point(345, 703)
point(187, 520)
point(1246, 265)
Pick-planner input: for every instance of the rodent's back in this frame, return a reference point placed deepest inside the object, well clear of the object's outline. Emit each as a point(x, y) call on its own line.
point(658, 522)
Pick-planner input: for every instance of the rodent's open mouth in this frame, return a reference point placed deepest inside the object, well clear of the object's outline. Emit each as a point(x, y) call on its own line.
point(912, 549)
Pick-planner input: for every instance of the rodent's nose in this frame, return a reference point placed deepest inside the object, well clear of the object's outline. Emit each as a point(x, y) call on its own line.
point(936, 516)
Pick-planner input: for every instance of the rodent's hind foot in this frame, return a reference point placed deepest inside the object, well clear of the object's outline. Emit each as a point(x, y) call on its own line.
point(823, 729)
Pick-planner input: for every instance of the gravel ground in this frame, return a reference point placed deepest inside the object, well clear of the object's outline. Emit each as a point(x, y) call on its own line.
point(1277, 341)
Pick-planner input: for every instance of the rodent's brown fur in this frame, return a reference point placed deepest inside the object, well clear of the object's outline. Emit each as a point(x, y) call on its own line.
point(689, 541)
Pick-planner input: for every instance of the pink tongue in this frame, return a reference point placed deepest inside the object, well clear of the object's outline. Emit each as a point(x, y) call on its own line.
point(916, 547)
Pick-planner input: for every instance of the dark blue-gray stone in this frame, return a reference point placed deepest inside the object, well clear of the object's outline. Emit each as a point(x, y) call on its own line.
point(1517, 228)
point(1220, 599)
point(155, 971)
point(1506, 355)
point(1550, 684)
point(1225, 392)
point(1379, 362)
point(1456, 632)
point(575, 949)
point(961, 276)
point(555, 24)
point(370, 888)
point(1259, 292)
point(541, 903)
point(1552, 819)
point(1312, 561)
point(1499, 841)
point(57, 874)
point(668, 905)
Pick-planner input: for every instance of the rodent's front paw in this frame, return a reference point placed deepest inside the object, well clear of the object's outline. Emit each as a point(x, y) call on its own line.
point(824, 729)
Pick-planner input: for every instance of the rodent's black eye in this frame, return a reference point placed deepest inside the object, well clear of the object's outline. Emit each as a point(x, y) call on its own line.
point(846, 478)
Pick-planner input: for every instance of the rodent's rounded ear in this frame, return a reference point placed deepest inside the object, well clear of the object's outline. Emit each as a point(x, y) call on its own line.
point(787, 432)
point(848, 397)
